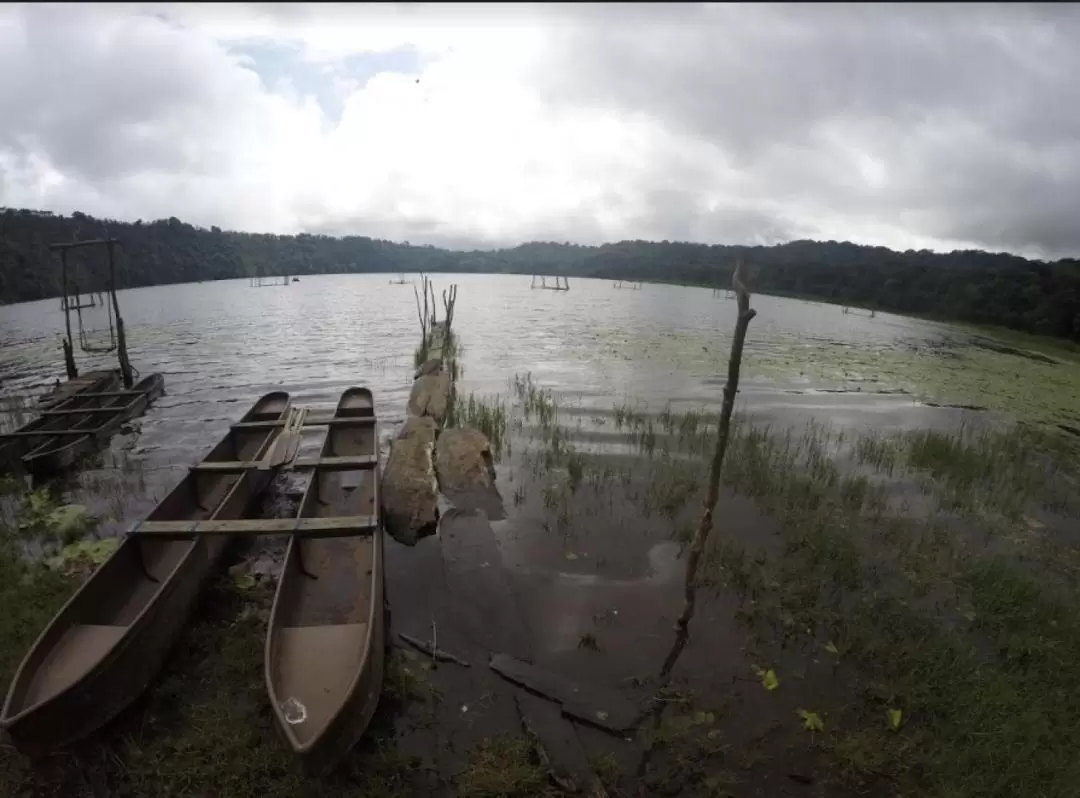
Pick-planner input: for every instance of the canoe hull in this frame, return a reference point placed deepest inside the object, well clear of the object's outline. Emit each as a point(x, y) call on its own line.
point(136, 630)
point(325, 645)
point(349, 725)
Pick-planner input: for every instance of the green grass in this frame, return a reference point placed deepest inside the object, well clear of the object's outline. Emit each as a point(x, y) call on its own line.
point(504, 767)
point(485, 414)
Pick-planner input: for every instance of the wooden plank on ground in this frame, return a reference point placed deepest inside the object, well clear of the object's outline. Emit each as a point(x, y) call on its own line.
point(597, 706)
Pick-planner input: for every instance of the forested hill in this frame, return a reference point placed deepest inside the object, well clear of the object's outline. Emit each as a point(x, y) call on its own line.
point(970, 285)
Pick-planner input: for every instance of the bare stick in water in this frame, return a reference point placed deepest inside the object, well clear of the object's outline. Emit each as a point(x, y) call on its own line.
point(701, 535)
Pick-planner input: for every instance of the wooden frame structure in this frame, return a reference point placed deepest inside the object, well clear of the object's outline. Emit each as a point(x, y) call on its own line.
point(268, 281)
point(563, 286)
point(118, 340)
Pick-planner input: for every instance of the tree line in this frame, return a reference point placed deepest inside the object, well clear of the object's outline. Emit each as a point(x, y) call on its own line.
point(969, 285)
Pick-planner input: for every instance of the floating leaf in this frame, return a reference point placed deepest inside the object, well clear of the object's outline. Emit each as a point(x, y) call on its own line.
point(243, 581)
point(832, 649)
point(896, 717)
point(811, 721)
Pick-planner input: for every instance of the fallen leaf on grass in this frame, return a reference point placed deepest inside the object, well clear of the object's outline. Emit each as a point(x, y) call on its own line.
point(896, 717)
point(768, 677)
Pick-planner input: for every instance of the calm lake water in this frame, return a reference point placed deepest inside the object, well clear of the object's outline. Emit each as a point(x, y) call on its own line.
point(220, 345)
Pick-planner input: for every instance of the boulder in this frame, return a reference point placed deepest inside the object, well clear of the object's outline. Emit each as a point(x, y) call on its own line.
point(430, 396)
point(409, 491)
point(466, 474)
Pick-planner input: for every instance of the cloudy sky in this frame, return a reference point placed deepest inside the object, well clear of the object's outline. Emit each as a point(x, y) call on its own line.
point(909, 126)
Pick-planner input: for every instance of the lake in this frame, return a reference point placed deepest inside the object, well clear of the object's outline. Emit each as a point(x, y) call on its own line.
point(221, 345)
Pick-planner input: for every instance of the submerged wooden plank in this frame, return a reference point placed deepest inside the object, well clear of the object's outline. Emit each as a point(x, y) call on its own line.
point(88, 410)
point(598, 706)
point(341, 526)
point(51, 433)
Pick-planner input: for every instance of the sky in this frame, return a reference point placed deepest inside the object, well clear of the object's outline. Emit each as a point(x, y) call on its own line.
point(909, 126)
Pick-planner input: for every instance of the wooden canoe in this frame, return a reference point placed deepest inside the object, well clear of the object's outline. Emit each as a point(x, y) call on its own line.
point(324, 645)
point(61, 453)
point(13, 447)
point(103, 647)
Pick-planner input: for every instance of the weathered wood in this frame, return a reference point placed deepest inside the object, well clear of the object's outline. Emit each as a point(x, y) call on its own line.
point(108, 394)
point(344, 526)
point(53, 433)
point(597, 706)
point(311, 421)
point(88, 410)
point(425, 647)
point(330, 463)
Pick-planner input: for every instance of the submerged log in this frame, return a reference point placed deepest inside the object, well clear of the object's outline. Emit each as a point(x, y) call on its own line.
point(466, 473)
point(430, 397)
point(409, 489)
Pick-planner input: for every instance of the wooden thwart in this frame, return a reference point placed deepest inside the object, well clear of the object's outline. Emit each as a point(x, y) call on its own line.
point(312, 421)
point(344, 526)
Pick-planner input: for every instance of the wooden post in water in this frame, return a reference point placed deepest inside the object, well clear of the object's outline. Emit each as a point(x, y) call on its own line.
point(69, 349)
point(701, 535)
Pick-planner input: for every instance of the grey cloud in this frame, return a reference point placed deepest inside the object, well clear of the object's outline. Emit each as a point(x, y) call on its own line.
point(970, 107)
point(106, 97)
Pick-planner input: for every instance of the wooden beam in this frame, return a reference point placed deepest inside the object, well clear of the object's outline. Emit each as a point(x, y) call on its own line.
point(356, 462)
point(50, 433)
point(342, 526)
point(107, 394)
point(311, 421)
point(86, 243)
point(88, 410)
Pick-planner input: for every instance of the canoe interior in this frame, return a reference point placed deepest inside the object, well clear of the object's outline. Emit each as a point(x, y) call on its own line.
point(98, 616)
point(320, 628)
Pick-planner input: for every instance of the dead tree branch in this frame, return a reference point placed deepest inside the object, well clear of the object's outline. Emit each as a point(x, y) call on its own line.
point(701, 535)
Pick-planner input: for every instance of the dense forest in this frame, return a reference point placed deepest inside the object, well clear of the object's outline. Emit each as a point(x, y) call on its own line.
point(970, 285)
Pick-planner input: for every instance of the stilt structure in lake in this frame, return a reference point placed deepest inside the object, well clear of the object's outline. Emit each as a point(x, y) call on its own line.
point(401, 280)
point(628, 285)
point(267, 282)
point(83, 413)
point(558, 286)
